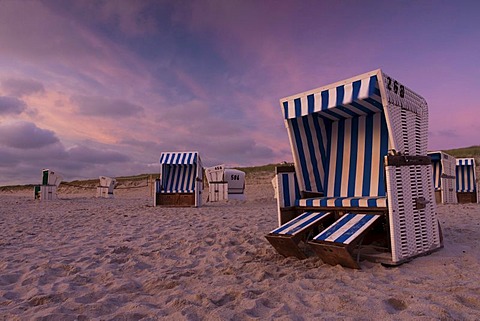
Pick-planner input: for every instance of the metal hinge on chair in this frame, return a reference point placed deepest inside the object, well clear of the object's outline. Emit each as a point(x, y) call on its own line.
point(421, 203)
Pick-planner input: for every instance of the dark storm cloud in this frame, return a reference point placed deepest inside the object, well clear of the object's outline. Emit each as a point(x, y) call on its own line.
point(89, 155)
point(25, 135)
point(22, 87)
point(11, 105)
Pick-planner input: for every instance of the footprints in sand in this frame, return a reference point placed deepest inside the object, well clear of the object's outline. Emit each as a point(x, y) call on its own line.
point(395, 305)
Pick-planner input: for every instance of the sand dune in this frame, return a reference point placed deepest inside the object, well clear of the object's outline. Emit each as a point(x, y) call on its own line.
point(82, 258)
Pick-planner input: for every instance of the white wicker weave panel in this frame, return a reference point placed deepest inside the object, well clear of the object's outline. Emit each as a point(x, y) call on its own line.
point(413, 231)
point(449, 194)
point(407, 118)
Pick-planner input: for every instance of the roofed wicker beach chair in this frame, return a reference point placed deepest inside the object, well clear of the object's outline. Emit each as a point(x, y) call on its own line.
point(50, 183)
point(225, 183)
point(444, 168)
point(180, 182)
point(106, 186)
point(360, 153)
point(467, 187)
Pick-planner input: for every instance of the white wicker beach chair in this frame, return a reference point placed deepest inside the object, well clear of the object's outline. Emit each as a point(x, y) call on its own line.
point(225, 183)
point(467, 186)
point(444, 166)
point(180, 182)
point(360, 151)
point(50, 183)
point(106, 186)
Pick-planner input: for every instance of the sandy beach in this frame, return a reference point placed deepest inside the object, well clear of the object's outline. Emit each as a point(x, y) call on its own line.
point(83, 258)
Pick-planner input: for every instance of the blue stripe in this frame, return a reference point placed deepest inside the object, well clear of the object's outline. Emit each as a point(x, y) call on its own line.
point(352, 175)
point(375, 103)
point(285, 109)
point(311, 149)
point(468, 182)
point(364, 221)
point(356, 89)
point(183, 182)
point(307, 222)
point(311, 103)
point(340, 95)
point(361, 107)
point(324, 95)
point(301, 154)
point(383, 152)
point(298, 107)
point(192, 175)
point(367, 169)
point(347, 111)
point(328, 130)
point(338, 201)
point(332, 113)
point(335, 227)
point(286, 189)
point(175, 172)
point(372, 84)
point(339, 158)
point(292, 222)
point(372, 202)
point(318, 130)
point(355, 202)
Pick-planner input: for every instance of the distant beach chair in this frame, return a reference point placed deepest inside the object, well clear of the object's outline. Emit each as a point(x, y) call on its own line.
point(180, 182)
point(444, 173)
point(106, 187)
point(360, 152)
point(48, 189)
point(467, 186)
point(225, 183)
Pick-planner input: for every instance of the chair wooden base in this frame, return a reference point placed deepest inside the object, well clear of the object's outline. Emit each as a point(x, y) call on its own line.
point(467, 197)
point(175, 199)
point(286, 246)
point(335, 245)
point(334, 254)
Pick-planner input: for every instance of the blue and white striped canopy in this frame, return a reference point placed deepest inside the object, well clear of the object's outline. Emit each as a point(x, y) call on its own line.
point(179, 158)
point(465, 162)
point(466, 178)
point(348, 99)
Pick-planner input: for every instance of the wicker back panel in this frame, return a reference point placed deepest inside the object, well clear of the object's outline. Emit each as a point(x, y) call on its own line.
point(413, 230)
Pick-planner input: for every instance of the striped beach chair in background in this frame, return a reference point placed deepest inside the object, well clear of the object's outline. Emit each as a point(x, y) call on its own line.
point(444, 173)
point(360, 151)
point(467, 187)
point(180, 182)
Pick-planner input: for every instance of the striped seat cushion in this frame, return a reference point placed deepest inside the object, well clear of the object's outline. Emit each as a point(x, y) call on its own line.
point(364, 201)
point(300, 223)
point(347, 228)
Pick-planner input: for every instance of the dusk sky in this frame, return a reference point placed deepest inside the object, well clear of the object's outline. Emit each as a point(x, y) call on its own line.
point(91, 88)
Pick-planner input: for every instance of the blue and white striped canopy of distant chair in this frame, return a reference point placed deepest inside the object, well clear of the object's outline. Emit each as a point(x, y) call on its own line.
point(180, 173)
point(467, 185)
point(341, 135)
